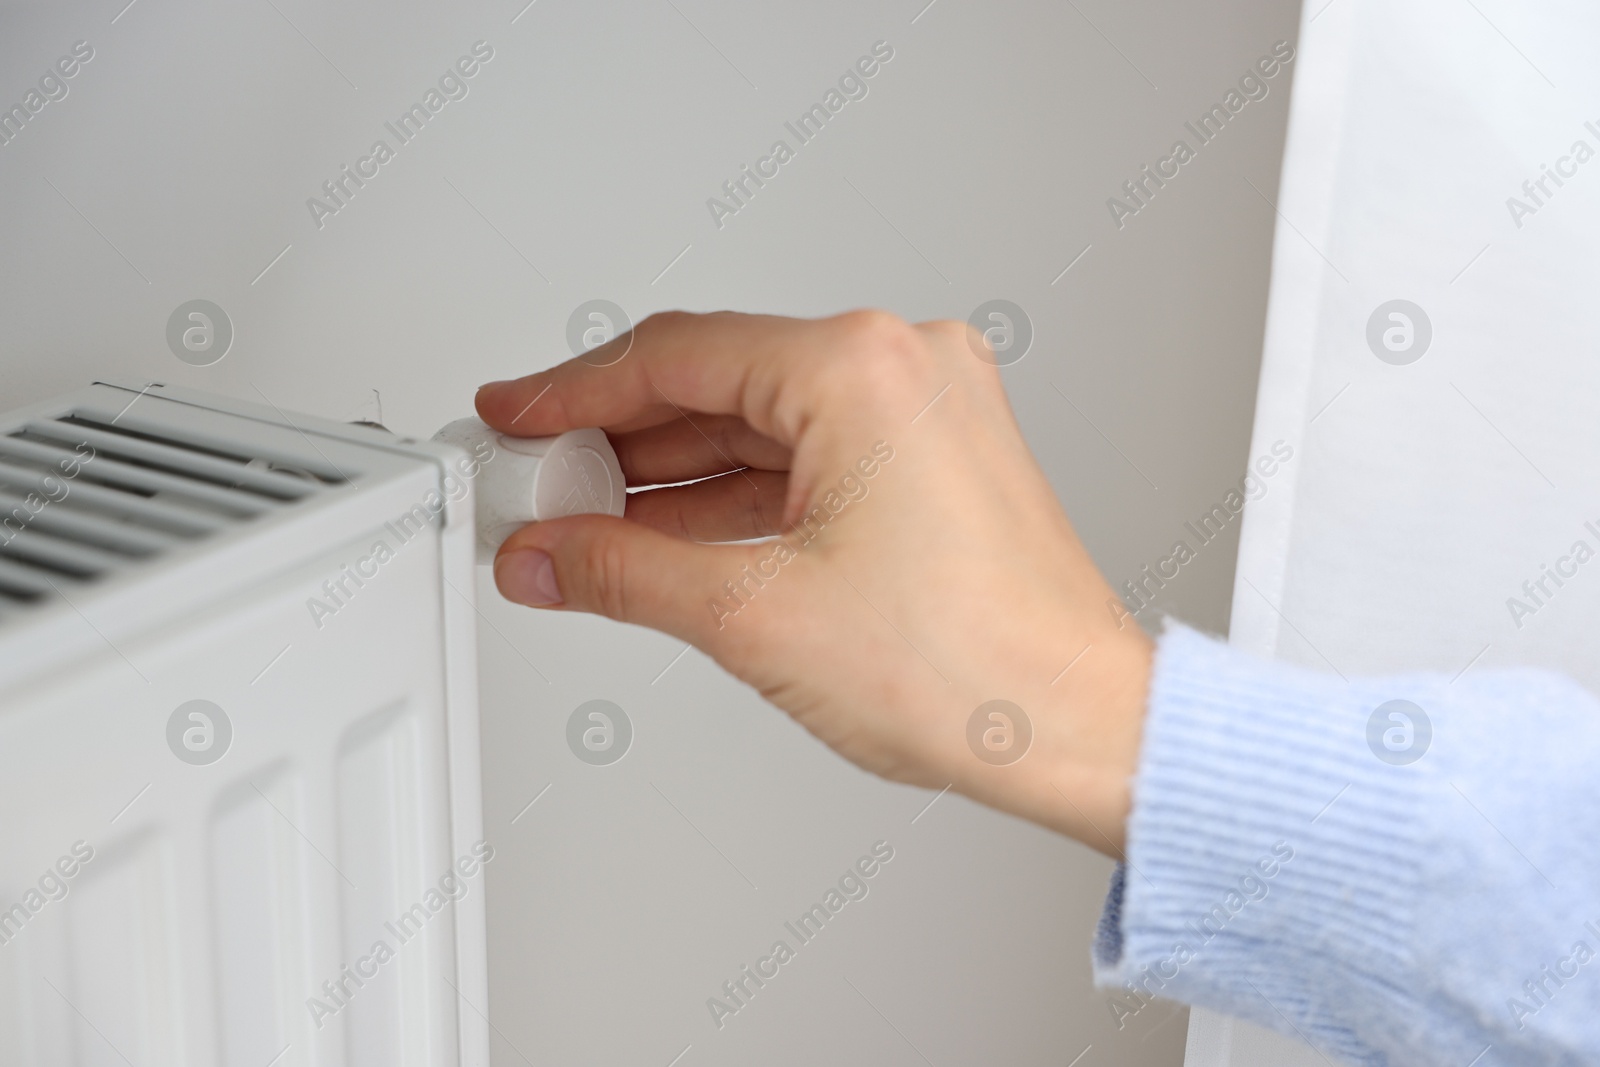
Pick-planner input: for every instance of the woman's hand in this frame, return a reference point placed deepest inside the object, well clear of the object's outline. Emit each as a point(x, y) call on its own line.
point(923, 566)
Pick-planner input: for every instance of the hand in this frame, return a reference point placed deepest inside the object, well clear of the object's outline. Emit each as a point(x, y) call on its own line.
point(924, 568)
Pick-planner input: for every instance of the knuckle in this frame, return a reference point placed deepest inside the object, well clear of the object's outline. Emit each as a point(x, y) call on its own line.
point(962, 352)
point(664, 320)
point(957, 341)
point(951, 331)
point(879, 354)
point(873, 331)
point(605, 577)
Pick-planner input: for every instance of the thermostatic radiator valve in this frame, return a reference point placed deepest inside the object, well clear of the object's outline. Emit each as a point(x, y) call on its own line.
point(529, 479)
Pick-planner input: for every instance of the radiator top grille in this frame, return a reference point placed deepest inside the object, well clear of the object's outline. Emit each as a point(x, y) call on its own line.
point(86, 495)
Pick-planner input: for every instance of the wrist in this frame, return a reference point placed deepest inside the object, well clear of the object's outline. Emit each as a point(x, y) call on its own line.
point(1077, 778)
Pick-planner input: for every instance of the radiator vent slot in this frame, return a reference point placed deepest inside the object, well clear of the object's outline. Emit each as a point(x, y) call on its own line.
point(86, 495)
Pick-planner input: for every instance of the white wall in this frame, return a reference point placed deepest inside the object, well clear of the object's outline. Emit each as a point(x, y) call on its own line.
point(179, 164)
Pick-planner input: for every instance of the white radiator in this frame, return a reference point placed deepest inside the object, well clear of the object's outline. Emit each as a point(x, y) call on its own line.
point(240, 815)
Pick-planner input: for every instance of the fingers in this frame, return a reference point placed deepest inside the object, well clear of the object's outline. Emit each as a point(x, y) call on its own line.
point(620, 569)
point(695, 447)
point(730, 507)
point(764, 368)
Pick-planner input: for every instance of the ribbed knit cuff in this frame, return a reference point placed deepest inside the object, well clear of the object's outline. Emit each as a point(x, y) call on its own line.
point(1271, 860)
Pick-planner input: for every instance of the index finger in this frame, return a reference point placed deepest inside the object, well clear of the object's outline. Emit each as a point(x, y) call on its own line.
point(722, 363)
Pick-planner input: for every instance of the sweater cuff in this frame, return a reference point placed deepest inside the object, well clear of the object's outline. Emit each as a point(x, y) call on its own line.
point(1271, 857)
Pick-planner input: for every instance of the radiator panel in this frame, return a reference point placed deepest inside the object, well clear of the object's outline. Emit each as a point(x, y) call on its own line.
point(226, 868)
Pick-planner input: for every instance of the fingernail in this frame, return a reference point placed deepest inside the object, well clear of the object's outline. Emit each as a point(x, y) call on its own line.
point(527, 576)
point(495, 385)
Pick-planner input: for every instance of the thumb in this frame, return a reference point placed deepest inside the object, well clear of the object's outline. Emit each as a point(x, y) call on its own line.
point(620, 569)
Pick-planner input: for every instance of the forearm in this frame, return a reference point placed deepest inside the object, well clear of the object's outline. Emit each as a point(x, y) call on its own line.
point(1281, 870)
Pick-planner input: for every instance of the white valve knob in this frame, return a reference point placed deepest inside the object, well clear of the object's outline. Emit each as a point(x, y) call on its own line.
point(528, 479)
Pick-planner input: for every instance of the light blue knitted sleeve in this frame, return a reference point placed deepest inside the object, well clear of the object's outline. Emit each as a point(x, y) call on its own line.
point(1395, 883)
